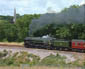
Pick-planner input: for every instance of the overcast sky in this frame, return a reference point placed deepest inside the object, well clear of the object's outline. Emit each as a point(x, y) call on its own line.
point(34, 6)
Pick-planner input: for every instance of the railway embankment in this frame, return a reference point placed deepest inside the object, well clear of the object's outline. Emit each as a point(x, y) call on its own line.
point(70, 57)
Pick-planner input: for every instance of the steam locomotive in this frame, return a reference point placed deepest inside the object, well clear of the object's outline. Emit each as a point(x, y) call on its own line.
point(53, 43)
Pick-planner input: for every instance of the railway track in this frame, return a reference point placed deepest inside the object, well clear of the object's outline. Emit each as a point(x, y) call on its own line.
point(22, 47)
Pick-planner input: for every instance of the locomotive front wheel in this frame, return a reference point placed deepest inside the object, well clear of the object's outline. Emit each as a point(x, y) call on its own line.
point(25, 45)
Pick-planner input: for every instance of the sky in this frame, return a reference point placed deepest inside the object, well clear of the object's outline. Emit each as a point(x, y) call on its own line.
point(34, 6)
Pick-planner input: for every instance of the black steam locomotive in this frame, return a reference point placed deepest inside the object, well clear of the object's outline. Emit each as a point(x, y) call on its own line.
point(53, 43)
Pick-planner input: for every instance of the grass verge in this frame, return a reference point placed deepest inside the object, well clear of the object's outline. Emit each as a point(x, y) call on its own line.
point(11, 43)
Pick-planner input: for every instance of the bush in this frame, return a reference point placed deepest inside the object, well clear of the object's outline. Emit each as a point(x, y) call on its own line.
point(18, 58)
point(3, 54)
point(53, 60)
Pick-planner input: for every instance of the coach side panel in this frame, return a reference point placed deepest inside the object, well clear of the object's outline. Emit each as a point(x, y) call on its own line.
point(78, 44)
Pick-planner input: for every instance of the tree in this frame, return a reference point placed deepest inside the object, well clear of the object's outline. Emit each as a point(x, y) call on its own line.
point(22, 25)
point(63, 33)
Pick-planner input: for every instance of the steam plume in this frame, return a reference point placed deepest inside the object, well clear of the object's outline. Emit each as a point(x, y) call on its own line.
point(71, 15)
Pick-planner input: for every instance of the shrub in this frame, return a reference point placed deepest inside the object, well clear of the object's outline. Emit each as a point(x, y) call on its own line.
point(53, 60)
point(3, 53)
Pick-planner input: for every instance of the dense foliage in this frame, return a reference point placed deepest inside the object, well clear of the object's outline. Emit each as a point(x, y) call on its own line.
point(7, 58)
point(18, 31)
point(15, 32)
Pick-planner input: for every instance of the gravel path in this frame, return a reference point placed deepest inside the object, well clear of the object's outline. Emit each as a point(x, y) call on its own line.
point(71, 56)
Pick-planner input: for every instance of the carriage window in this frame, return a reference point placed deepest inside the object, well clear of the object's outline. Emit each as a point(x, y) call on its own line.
point(76, 44)
point(79, 44)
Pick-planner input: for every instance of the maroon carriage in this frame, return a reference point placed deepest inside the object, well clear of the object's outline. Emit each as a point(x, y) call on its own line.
point(78, 44)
